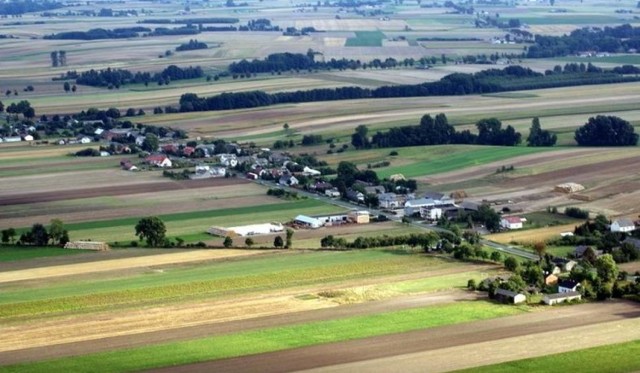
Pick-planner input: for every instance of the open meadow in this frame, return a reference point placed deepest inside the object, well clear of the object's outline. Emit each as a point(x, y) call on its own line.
point(196, 302)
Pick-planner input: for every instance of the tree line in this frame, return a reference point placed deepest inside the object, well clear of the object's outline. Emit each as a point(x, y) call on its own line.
point(193, 44)
point(510, 78)
point(18, 7)
point(115, 78)
point(122, 33)
point(609, 39)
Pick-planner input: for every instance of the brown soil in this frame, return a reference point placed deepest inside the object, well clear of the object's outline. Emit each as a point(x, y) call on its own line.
point(17, 199)
point(557, 321)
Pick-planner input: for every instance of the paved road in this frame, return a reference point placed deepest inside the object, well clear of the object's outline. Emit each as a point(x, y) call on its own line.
point(347, 205)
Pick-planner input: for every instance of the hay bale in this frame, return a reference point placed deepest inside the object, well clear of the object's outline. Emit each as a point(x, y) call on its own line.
point(568, 188)
point(458, 195)
point(87, 245)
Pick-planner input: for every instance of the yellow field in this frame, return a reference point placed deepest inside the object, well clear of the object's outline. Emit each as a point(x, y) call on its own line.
point(531, 235)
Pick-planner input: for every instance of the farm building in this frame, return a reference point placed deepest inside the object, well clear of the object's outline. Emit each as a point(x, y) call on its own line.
point(334, 219)
point(359, 216)
point(247, 230)
point(567, 286)
point(333, 192)
point(355, 196)
point(308, 221)
point(430, 213)
point(87, 245)
point(389, 200)
point(551, 299)
point(511, 222)
point(288, 180)
point(623, 225)
point(507, 296)
point(565, 265)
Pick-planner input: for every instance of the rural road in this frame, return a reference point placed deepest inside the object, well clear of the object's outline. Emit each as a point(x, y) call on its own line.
point(325, 356)
point(218, 328)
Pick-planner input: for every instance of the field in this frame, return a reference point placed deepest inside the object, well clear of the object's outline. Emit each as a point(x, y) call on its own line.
point(255, 308)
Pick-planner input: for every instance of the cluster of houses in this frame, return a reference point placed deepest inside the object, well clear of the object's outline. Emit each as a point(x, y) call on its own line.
point(25, 137)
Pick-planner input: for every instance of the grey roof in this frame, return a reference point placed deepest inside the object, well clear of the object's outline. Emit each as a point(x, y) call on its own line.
point(434, 195)
point(308, 220)
point(419, 202)
point(563, 295)
point(507, 293)
point(387, 197)
point(625, 222)
point(634, 241)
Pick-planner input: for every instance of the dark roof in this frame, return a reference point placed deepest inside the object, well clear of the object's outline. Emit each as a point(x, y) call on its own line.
point(507, 293)
point(563, 295)
point(580, 250)
point(569, 284)
point(559, 261)
point(634, 241)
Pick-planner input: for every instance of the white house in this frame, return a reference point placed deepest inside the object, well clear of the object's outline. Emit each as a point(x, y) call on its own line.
point(623, 225)
point(310, 172)
point(566, 286)
point(28, 138)
point(84, 140)
point(511, 222)
point(228, 160)
point(413, 206)
point(430, 213)
point(333, 193)
point(507, 296)
point(288, 180)
point(388, 200)
point(159, 160)
point(551, 299)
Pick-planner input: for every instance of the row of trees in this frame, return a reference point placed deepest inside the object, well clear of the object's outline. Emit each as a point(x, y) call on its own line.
point(193, 44)
point(115, 78)
point(608, 39)
point(494, 80)
point(39, 235)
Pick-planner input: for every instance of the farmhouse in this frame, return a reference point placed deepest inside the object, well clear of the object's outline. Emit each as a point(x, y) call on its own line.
point(308, 221)
point(551, 299)
point(565, 265)
point(623, 225)
point(158, 160)
point(310, 172)
point(507, 296)
point(228, 160)
point(566, 286)
point(581, 250)
point(374, 189)
point(511, 222)
point(430, 213)
point(288, 180)
point(355, 196)
point(413, 206)
point(333, 192)
point(388, 200)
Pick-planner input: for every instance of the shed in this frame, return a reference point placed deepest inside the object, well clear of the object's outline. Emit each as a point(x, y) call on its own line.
point(507, 296)
point(308, 221)
point(359, 216)
point(87, 245)
point(551, 299)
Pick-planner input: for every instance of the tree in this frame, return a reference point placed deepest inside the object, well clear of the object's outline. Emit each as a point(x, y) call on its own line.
point(496, 256)
point(607, 268)
point(471, 284)
point(151, 229)
point(56, 231)
point(8, 235)
point(278, 242)
point(359, 139)
point(38, 235)
point(228, 242)
point(511, 264)
point(66, 86)
point(606, 130)
point(249, 242)
point(150, 143)
point(74, 88)
point(540, 248)
point(54, 59)
point(286, 128)
point(288, 244)
point(540, 137)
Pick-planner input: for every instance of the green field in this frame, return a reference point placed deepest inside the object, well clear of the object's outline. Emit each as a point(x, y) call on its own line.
point(425, 161)
point(366, 39)
point(617, 358)
point(213, 280)
point(13, 253)
point(273, 339)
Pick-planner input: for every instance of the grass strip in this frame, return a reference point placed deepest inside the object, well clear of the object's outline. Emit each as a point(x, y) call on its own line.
point(272, 339)
point(616, 358)
point(13, 253)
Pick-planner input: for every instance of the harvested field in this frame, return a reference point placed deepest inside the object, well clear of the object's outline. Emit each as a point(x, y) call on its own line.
point(446, 344)
point(118, 264)
point(148, 187)
point(529, 236)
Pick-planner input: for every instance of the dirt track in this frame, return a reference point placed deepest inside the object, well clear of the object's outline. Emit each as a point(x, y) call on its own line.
point(63, 195)
point(281, 317)
point(321, 356)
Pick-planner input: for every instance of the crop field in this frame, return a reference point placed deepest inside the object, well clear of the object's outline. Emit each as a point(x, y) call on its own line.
point(253, 308)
